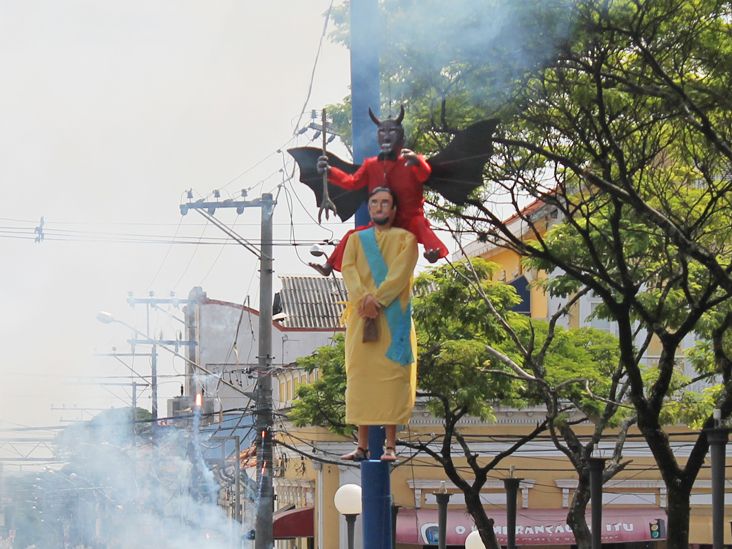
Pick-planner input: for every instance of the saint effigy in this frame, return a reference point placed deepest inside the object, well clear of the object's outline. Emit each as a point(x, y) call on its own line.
point(381, 345)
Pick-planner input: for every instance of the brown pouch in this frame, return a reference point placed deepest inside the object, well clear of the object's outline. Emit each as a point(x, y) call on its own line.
point(370, 331)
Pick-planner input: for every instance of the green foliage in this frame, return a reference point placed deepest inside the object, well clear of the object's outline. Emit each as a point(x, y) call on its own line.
point(447, 306)
point(579, 364)
point(322, 402)
point(455, 325)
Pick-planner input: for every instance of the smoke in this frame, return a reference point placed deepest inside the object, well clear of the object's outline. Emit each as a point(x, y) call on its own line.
point(159, 489)
point(476, 49)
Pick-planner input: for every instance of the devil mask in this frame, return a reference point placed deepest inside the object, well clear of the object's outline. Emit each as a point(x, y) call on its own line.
point(390, 133)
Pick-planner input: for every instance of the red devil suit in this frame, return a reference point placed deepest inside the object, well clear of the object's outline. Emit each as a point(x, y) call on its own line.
point(406, 182)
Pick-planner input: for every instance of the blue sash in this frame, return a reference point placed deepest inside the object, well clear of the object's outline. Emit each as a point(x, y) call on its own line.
point(400, 322)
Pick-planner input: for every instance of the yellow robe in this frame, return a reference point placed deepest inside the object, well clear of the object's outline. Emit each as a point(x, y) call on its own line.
point(379, 391)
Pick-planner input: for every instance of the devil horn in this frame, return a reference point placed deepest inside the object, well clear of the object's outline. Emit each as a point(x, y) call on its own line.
point(374, 118)
point(401, 114)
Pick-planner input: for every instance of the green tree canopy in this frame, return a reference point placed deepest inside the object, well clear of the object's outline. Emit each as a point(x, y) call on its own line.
point(616, 115)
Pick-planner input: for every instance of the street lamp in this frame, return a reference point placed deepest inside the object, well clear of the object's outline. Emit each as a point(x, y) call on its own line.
point(443, 498)
point(347, 500)
point(473, 541)
point(105, 317)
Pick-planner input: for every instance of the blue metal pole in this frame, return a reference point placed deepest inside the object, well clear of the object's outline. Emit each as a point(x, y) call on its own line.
point(365, 94)
point(365, 89)
point(376, 505)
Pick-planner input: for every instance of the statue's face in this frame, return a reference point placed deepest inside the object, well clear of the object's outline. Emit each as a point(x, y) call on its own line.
point(390, 136)
point(381, 208)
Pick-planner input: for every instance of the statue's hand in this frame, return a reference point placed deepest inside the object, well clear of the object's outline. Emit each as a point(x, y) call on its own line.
point(322, 165)
point(369, 307)
point(410, 157)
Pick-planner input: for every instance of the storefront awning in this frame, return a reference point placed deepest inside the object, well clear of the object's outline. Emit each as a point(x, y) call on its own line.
point(533, 526)
point(294, 523)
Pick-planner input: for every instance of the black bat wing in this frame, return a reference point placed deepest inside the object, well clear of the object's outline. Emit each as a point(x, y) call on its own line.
point(458, 169)
point(347, 202)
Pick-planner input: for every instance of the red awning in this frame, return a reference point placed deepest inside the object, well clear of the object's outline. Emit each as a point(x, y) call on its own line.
point(533, 526)
point(294, 523)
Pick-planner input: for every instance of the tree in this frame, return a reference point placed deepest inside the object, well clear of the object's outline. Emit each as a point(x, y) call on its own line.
point(632, 135)
point(626, 137)
point(622, 127)
point(475, 353)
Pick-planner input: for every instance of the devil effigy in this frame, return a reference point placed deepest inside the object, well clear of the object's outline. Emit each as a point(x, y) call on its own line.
point(454, 173)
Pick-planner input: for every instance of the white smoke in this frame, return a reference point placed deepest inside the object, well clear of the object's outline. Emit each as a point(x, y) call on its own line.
point(479, 49)
point(123, 492)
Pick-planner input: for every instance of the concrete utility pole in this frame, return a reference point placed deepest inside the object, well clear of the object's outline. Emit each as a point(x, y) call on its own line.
point(154, 302)
point(264, 417)
point(118, 356)
point(154, 362)
point(264, 537)
point(107, 318)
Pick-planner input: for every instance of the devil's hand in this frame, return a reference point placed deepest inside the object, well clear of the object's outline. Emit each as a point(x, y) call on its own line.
point(322, 164)
point(410, 157)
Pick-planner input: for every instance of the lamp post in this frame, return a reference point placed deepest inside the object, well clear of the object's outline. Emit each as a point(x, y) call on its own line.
point(473, 541)
point(443, 498)
point(512, 485)
point(717, 438)
point(347, 500)
point(597, 465)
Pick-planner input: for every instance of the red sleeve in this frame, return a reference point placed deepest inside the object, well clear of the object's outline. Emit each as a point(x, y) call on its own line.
point(351, 182)
point(421, 169)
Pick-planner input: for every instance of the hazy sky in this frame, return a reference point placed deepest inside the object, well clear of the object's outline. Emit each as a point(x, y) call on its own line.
point(109, 111)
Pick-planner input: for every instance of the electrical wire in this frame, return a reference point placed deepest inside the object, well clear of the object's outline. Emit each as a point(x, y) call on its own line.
point(315, 66)
point(167, 253)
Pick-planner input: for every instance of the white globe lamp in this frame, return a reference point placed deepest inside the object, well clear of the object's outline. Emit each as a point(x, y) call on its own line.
point(473, 541)
point(347, 500)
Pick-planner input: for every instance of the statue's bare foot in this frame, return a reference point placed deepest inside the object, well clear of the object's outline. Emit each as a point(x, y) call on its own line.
point(389, 454)
point(432, 255)
point(325, 269)
point(359, 454)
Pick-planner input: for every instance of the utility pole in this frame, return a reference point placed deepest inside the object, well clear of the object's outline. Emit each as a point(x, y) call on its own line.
point(264, 417)
point(264, 536)
point(154, 362)
point(154, 302)
point(135, 384)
